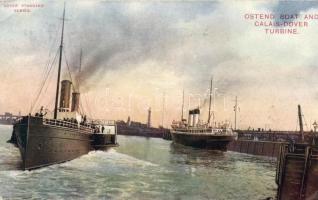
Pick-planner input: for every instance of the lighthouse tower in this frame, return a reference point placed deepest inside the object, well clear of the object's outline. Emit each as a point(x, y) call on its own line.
point(149, 118)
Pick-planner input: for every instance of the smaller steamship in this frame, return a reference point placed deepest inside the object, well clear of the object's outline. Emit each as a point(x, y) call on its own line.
point(197, 134)
point(45, 140)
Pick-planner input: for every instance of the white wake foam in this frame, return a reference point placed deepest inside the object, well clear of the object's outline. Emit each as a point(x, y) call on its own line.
point(95, 159)
point(120, 157)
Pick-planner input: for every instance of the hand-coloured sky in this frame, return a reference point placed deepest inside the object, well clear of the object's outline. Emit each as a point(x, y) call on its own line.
point(136, 52)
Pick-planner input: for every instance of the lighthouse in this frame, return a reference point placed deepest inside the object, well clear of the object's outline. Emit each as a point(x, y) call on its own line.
point(149, 118)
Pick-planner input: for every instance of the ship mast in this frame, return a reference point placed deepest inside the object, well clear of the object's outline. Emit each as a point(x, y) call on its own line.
point(182, 105)
point(235, 112)
point(59, 69)
point(163, 109)
point(80, 64)
point(209, 117)
point(79, 71)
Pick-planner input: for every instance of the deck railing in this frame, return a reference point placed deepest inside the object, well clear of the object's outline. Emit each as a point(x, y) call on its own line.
point(205, 131)
point(104, 122)
point(67, 124)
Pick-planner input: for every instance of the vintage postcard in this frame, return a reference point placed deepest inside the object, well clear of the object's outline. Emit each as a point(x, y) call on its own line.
point(158, 99)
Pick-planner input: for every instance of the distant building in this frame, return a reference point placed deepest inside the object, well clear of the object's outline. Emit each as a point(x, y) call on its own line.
point(8, 118)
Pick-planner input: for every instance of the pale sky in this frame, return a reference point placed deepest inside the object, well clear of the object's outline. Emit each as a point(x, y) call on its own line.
point(136, 52)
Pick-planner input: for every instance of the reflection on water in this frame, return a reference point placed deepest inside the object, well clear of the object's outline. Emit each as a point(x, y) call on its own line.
point(196, 157)
point(140, 169)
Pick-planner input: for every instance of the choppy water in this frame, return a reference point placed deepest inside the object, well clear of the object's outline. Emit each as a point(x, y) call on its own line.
point(139, 169)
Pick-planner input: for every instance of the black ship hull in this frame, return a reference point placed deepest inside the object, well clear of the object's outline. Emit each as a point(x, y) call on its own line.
point(204, 141)
point(43, 144)
point(103, 141)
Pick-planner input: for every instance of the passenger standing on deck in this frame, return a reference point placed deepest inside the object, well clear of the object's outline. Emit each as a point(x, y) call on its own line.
point(42, 113)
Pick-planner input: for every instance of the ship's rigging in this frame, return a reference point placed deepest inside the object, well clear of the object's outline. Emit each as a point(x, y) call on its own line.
point(59, 69)
point(48, 75)
point(46, 140)
point(211, 109)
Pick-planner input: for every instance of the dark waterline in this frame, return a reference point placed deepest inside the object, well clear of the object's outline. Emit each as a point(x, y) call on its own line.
point(140, 168)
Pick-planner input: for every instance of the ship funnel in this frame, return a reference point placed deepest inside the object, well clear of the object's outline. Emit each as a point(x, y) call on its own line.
point(75, 101)
point(196, 115)
point(65, 95)
point(190, 118)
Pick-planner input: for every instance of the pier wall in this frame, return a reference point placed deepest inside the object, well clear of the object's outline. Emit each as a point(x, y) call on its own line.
point(261, 148)
point(288, 136)
point(139, 129)
point(141, 134)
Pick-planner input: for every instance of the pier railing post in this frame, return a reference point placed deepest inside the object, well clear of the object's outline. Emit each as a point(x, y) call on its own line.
point(304, 177)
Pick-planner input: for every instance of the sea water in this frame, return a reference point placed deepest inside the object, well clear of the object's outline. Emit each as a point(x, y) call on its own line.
point(140, 168)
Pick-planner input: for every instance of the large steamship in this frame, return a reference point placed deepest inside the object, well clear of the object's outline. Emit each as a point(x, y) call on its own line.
point(201, 135)
point(44, 140)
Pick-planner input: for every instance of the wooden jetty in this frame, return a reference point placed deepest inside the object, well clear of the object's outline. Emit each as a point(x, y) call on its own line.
point(297, 172)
